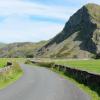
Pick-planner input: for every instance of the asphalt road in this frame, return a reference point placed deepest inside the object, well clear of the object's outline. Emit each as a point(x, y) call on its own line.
point(39, 83)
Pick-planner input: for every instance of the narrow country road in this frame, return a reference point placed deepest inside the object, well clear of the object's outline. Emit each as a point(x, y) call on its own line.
point(39, 83)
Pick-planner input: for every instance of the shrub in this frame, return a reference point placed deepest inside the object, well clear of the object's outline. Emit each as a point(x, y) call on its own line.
point(46, 64)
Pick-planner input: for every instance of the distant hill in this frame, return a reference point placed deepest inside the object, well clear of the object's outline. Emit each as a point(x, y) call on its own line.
point(24, 49)
point(80, 37)
point(2, 45)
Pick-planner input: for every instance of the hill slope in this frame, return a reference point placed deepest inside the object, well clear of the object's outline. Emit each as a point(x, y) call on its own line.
point(2, 45)
point(25, 49)
point(80, 37)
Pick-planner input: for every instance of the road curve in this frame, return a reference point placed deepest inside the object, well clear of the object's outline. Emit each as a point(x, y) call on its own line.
point(39, 83)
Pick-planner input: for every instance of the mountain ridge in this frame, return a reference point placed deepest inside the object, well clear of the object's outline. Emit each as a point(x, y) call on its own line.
point(20, 49)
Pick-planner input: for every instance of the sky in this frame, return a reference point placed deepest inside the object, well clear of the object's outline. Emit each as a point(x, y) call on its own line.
point(35, 20)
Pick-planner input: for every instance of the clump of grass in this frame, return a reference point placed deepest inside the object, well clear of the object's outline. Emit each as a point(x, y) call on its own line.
point(28, 62)
point(3, 63)
point(45, 64)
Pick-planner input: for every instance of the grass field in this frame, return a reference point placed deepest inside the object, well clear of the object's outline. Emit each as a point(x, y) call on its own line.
point(92, 66)
point(87, 65)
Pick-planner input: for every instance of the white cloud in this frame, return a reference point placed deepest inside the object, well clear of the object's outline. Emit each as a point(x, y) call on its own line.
point(22, 29)
point(92, 1)
point(17, 25)
point(78, 2)
point(21, 7)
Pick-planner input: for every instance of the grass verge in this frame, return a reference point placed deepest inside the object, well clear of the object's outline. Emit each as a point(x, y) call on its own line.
point(4, 84)
point(8, 77)
point(93, 94)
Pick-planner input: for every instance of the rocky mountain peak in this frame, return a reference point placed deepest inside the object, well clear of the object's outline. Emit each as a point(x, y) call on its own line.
point(81, 32)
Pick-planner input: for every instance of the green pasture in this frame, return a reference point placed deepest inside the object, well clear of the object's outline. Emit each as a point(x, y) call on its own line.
point(90, 65)
point(87, 65)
